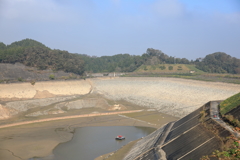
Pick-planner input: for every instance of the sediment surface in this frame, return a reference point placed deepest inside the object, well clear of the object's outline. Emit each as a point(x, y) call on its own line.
point(43, 89)
point(177, 97)
point(21, 102)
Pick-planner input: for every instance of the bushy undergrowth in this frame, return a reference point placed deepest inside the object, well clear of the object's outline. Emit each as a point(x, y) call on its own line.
point(232, 121)
point(230, 103)
point(231, 151)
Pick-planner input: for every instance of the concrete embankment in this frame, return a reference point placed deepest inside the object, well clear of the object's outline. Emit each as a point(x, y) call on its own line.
point(191, 137)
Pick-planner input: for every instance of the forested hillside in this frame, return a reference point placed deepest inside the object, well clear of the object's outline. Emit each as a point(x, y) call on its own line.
point(219, 62)
point(129, 63)
point(35, 54)
point(116, 63)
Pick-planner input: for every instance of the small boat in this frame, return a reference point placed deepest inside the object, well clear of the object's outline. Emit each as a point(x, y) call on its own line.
point(119, 137)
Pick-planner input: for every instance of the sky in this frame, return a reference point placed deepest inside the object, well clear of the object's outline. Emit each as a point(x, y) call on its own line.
point(181, 28)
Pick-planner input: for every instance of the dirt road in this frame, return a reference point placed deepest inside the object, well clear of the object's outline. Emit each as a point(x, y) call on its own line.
point(67, 117)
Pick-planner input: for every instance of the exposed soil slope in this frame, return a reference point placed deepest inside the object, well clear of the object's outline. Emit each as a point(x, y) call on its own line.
point(51, 89)
point(19, 72)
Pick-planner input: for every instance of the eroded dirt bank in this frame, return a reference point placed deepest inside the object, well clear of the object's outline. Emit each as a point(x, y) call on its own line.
point(18, 91)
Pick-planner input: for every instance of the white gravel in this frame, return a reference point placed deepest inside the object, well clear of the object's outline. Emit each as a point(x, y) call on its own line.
point(176, 97)
point(21, 106)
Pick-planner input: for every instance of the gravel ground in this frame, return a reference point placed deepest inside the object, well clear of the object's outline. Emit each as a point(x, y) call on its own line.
point(21, 106)
point(176, 97)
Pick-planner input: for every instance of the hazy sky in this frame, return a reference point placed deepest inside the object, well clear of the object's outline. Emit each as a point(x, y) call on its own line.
point(181, 28)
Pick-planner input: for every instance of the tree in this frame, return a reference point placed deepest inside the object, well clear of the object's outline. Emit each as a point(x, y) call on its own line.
point(2, 46)
point(153, 52)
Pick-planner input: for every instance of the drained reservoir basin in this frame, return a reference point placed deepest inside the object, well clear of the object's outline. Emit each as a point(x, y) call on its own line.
point(91, 142)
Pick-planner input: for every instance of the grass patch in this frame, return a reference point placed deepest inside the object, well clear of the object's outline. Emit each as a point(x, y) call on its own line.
point(193, 68)
point(230, 103)
point(163, 68)
point(226, 78)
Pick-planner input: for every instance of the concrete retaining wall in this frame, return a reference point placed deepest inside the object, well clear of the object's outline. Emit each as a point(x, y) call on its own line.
point(191, 137)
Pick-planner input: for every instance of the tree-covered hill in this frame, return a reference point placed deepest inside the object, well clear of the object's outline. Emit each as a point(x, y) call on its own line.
point(129, 63)
point(35, 54)
point(219, 62)
point(116, 63)
point(26, 43)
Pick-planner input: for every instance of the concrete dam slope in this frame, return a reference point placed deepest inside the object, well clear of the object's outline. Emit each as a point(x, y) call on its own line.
point(192, 137)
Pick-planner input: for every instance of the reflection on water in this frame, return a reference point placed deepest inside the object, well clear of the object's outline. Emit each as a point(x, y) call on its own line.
point(91, 142)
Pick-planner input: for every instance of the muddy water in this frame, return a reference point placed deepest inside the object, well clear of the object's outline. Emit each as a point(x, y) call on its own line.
point(91, 142)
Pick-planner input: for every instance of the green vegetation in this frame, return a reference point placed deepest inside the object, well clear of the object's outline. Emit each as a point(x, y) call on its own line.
point(153, 67)
point(33, 82)
point(35, 54)
point(194, 76)
point(116, 63)
point(20, 79)
point(231, 120)
point(179, 68)
point(231, 151)
point(51, 77)
point(202, 115)
point(2, 45)
point(145, 68)
point(219, 62)
point(192, 67)
point(130, 63)
point(162, 67)
point(166, 68)
point(230, 103)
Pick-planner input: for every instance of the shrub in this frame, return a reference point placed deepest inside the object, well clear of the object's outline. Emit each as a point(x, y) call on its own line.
point(20, 79)
point(33, 82)
point(170, 68)
point(145, 68)
point(51, 77)
point(162, 67)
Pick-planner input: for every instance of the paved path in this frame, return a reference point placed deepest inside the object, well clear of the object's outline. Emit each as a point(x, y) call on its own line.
point(214, 113)
point(67, 117)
